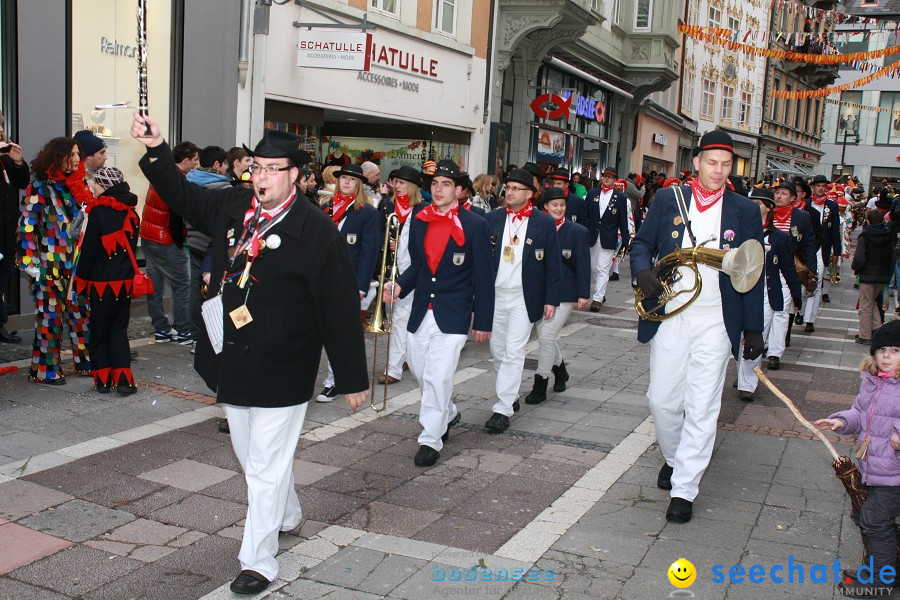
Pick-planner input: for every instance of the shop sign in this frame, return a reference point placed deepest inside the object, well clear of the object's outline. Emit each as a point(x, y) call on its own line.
point(116, 49)
point(334, 50)
point(660, 139)
point(391, 82)
point(558, 106)
point(404, 60)
point(588, 108)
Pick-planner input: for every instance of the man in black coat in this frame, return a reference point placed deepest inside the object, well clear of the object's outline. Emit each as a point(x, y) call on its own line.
point(14, 178)
point(282, 285)
point(874, 263)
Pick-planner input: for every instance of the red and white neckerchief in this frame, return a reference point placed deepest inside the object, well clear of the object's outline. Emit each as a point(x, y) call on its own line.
point(441, 226)
point(605, 190)
point(339, 205)
point(402, 207)
point(781, 217)
point(800, 204)
point(818, 200)
point(704, 198)
point(260, 228)
point(520, 214)
point(467, 205)
point(560, 221)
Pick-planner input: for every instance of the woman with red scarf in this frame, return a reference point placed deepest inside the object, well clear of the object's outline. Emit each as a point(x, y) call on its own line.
point(406, 205)
point(105, 274)
point(359, 222)
point(47, 253)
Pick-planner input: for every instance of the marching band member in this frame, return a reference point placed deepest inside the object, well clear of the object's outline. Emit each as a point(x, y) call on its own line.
point(607, 213)
point(406, 205)
point(526, 263)
point(576, 208)
point(465, 196)
point(574, 291)
point(620, 186)
point(825, 217)
point(782, 291)
point(451, 275)
point(689, 352)
point(360, 224)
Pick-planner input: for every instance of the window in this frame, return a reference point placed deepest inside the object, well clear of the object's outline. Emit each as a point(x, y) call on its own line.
point(734, 24)
point(809, 111)
point(615, 10)
point(727, 102)
point(715, 17)
point(798, 110)
point(694, 13)
point(388, 6)
point(643, 15)
point(445, 16)
point(788, 105)
point(687, 92)
point(746, 98)
point(776, 104)
point(888, 129)
point(707, 98)
point(848, 43)
point(848, 117)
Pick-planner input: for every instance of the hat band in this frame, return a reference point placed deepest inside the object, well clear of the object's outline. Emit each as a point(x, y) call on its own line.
point(717, 147)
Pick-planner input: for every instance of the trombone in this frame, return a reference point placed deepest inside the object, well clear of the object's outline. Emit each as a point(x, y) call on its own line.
point(378, 325)
point(833, 274)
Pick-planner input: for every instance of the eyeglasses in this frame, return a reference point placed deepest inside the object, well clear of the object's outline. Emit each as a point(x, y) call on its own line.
point(516, 189)
point(271, 170)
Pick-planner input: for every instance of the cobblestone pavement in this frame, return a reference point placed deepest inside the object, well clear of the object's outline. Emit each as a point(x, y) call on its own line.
point(105, 497)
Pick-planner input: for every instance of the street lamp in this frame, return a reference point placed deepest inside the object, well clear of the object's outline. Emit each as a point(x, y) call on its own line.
point(850, 125)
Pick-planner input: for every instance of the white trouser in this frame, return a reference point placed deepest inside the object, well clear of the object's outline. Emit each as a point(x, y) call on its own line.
point(363, 305)
point(399, 320)
point(615, 262)
point(509, 335)
point(264, 440)
point(688, 356)
point(549, 354)
point(774, 330)
point(433, 357)
point(812, 304)
point(604, 262)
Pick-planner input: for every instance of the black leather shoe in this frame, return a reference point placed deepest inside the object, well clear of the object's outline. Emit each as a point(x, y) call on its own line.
point(103, 388)
point(810, 328)
point(516, 406)
point(497, 423)
point(595, 306)
point(664, 479)
point(249, 582)
point(825, 298)
point(680, 510)
point(746, 396)
point(614, 277)
point(774, 363)
point(8, 337)
point(426, 456)
point(61, 380)
point(452, 423)
point(223, 426)
point(798, 319)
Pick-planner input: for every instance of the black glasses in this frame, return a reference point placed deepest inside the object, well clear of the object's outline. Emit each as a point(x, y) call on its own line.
point(272, 170)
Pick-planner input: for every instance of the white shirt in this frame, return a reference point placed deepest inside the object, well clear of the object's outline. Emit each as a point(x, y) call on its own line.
point(509, 273)
point(704, 225)
point(604, 201)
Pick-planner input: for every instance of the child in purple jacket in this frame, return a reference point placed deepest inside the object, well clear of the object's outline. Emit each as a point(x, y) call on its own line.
point(875, 416)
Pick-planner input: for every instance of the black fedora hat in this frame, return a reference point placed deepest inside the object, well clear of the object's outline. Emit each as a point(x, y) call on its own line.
point(352, 171)
point(820, 179)
point(521, 176)
point(276, 144)
point(560, 174)
point(301, 158)
point(447, 168)
point(408, 173)
point(554, 193)
point(466, 182)
point(762, 194)
point(714, 140)
point(786, 185)
point(533, 169)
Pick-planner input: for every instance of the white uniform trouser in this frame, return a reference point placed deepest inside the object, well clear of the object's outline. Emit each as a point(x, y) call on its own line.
point(399, 320)
point(264, 440)
point(602, 260)
point(433, 357)
point(363, 305)
point(688, 356)
point(774, 331)
point(509, 336)
point(549, 354)
point(812, 304)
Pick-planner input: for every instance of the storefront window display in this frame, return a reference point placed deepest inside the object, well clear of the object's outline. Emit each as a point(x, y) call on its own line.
point(309, 134)
point(104, 71)
point(390, 154)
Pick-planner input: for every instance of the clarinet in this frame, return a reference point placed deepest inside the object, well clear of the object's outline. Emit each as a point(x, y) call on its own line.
point(142, 60)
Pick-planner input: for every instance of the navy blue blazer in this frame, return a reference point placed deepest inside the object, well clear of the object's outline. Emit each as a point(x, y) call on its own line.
point(780, 258)
point(740, 312)
point(575, 255)
point(363, 232)
point(463, 283)
point(576, 209)
point(803, 238)
point(475, 209)
point(828, 235)
point(540, 261)
point(611, 223)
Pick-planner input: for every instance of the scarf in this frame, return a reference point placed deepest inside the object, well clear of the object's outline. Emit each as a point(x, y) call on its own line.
point(521, 214)
point(818, 200)
point(440, 227)
point(781, 217)
point(467, 205)
point(339, 205)
point(885, 374)
point(402, 207)
point(703, 197)
point(605, 190)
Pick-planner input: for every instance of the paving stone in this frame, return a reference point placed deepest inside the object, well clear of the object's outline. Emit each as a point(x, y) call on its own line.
point(201, 513)
point(76, 571)
point(154, 581)
point(348, 568)
point(307, 473)
point(700, 530)
point(491, 462)
point(326, 453)
point(77, 520)
point(390, 573)
point(304, 588)
point(330, 507)
point(429, 492)
point(151, 553)
point(607, 545)
point(118, 548)
point(20, 498)
point(642, 519)
point(654, 583)
point(510, 500)
point(144, 531)
point(363, 484)
point(78, 478)
point(465, 533)
point(213, 555)
point(155, 498)
point(402, 469)
point(188, 475)
point(10, 589)
point(233, 489)
point(221, 457)
point(789, 526)
point(381, 517)
point(530, 591)
point(546, 470)
point(23, 546)
point(153, 453)
point(186, 539)
point(568, 455)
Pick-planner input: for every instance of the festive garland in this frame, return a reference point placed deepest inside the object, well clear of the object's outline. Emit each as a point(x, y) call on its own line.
point(818, 14)
point(890, 69)
point(878, 109)
point(706, 34)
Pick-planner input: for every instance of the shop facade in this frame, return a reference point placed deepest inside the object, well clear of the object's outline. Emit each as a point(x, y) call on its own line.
point(656, 146)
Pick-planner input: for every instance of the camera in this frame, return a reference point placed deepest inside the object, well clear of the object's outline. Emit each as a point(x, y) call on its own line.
point(5, 149)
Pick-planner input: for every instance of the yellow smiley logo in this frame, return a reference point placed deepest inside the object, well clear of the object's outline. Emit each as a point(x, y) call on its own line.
point(682, 573)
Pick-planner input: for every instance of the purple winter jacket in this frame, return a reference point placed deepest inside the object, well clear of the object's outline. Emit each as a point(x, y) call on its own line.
point(882, 464)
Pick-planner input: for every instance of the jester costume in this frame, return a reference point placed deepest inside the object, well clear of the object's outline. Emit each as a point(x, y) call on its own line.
point(105, 274)
point(52, 202)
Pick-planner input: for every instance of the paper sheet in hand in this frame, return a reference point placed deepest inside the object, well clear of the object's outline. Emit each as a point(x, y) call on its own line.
point(212, 318)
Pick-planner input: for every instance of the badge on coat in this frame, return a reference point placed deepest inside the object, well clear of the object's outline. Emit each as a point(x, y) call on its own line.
point(273, 241)
point(613, 210)
point(459, 258)
point(351, 238)
point(567, 253)
point(677, 221)
point(674, 235)
point(795, 232)
point(539, 253)
point(774, 260)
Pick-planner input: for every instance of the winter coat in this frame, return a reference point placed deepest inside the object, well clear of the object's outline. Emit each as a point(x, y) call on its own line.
point(158, 223)
point(197, 240)
point(875, 257)
point(14, 178)
point(881, 466)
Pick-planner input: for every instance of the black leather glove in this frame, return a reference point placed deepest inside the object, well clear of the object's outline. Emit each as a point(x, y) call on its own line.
point(649, 283)
point(753, 345)
point(798, 303)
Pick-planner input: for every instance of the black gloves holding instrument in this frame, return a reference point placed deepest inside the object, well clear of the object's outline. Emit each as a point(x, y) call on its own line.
point(753, 345)
point(649, 283)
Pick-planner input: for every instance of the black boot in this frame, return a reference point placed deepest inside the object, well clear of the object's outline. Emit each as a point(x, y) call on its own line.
point(539, 392)
point(561, 377)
